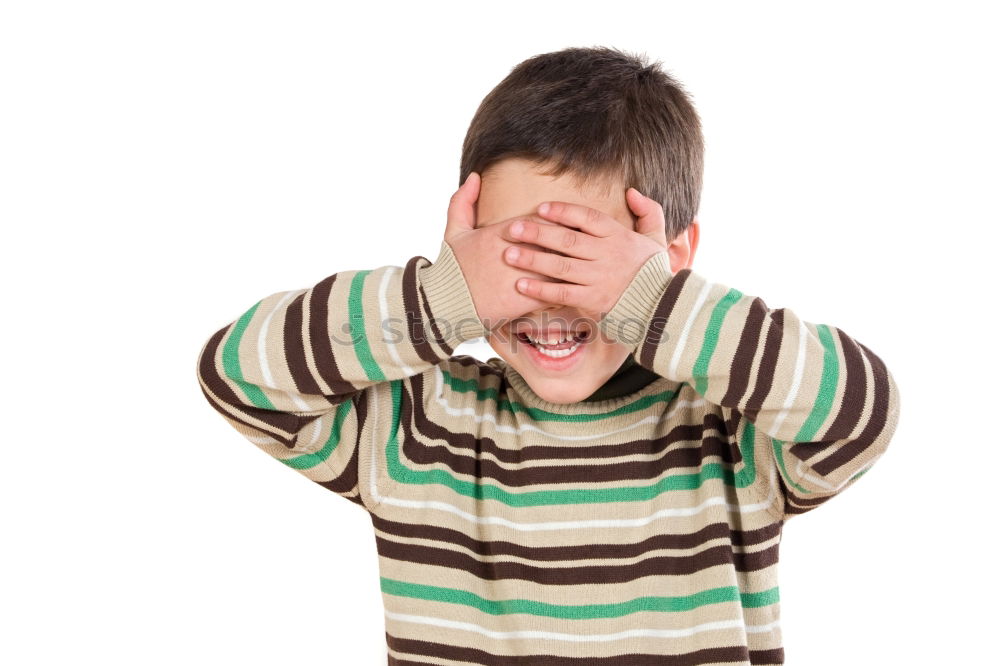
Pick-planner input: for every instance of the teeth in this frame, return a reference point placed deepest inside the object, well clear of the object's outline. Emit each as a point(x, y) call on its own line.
point(558, 353)
point(549, 341)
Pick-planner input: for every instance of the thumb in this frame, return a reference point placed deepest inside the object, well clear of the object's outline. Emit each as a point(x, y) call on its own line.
point(650, 213)
point(461, 208)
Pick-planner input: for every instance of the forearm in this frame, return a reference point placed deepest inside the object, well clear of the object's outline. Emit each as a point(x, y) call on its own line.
point(295, 355)
point(817, 394)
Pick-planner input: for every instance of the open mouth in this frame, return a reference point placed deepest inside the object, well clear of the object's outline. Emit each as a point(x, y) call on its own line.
point(554, 346)
point(558, 347)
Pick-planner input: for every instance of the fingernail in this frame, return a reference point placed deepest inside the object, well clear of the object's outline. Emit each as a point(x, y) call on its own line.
point(517, 228)
point(522, 284)
point(513, 253)
point(544, 208)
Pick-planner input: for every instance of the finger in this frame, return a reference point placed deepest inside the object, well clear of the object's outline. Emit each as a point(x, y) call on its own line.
point(578, 271)
point(553, 237)
point(586, 219)
point(650, 213)
point(559, 293)
point(461, 208)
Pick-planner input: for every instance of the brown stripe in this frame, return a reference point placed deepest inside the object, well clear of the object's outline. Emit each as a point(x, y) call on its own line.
point(654, 331)
point(721, 655)
point(485, 369)
point(809, 502)
point(791, 509)
point(767, 657)
point(287, 424)
point(484, 469)
point(479, 444)
point(414, 321)
point(855, 382)
point(610, 551)
point(320, 337)
point(295, 351)
point(347, 483)
point(873, 428)
point(764, 380)
point(395, 661)
point(739, 370)
point(654, 565)
point(429, 317)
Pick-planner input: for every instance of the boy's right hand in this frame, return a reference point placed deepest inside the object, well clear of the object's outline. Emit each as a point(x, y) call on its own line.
point(479, 252)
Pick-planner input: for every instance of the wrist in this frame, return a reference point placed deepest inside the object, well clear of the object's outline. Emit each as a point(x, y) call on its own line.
point(630, 317)
point(448, 297)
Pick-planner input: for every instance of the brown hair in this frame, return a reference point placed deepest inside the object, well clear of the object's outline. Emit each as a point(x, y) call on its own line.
point(600, 114)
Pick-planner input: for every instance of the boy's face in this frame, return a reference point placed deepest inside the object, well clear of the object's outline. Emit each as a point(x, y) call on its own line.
point(513, 187)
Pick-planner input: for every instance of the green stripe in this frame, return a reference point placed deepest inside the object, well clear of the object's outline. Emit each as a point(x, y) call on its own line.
point(356, 315)
point(748, 474)
point(475, 489)
point(308, 460)
point(469, 386)
point(827, 387)
point(657, 604)
point(231, 361)
point(711, 339)
point(779, 455)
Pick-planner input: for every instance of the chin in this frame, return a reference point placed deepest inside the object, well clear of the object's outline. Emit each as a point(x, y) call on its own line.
point(565, 378)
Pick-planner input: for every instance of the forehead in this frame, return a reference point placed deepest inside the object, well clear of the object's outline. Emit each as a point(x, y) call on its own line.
point(514, 187)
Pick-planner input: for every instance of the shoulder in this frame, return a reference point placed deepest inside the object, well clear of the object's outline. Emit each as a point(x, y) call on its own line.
point(462, 369)
point(462, 379)
point(466, 364)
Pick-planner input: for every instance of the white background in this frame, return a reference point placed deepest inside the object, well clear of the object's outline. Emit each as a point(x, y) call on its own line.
point(167, 164)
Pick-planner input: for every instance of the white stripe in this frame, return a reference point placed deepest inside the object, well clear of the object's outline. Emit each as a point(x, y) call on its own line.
point(524, 427)
point(688, 325)
point(580, 638)
point(800, 364)
point(265, 367)
point(605, 523)
point(806, 475)
point(383, 307)
point(823, 483)
point(651, 633)
point(317, 431)
point(551, 525)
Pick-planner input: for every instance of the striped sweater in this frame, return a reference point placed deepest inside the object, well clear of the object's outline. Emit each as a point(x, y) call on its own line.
point(638, 529)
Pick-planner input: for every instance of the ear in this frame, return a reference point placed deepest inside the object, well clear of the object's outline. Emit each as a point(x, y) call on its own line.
point(683, 246)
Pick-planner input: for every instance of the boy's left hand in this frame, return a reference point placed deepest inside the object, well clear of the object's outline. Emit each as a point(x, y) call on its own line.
point(602, 255)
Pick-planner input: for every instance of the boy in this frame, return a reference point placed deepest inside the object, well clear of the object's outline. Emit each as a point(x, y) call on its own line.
point(612, 489)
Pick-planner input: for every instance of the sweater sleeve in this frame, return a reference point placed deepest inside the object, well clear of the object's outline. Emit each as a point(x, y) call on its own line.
point(296, 372)
point(819, 406)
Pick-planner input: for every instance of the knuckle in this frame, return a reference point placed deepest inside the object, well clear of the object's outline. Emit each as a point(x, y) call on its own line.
point(562, 265)
point(568, 238)
point(562, 294)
